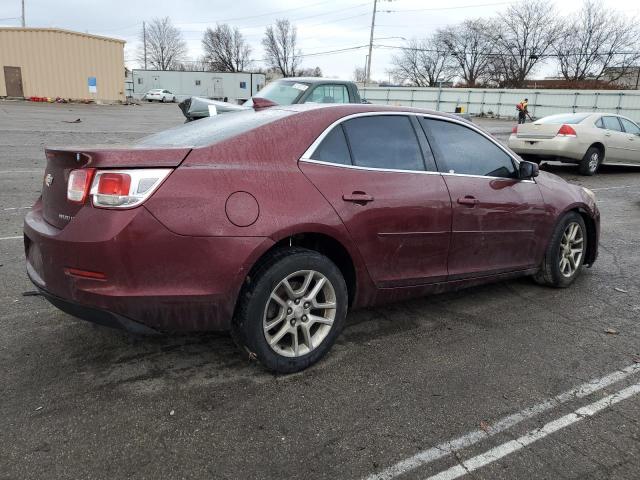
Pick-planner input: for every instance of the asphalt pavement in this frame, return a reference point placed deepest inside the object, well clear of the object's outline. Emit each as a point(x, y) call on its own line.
point(505, 381)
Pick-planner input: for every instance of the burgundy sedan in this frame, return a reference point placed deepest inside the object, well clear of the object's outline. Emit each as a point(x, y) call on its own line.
point(274, 223)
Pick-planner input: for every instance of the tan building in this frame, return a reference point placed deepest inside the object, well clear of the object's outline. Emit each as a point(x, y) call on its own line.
point(50, 62)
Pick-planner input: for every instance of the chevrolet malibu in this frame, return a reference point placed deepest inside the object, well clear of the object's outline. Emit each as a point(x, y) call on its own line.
point(274, 223)
point(588, 139)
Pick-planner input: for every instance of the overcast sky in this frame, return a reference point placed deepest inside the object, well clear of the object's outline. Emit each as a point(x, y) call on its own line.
point(323, 25)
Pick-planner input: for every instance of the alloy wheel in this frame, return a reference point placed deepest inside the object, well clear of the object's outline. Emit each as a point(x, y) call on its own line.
point(571, 249)
point(594, 161)
point(299, 313)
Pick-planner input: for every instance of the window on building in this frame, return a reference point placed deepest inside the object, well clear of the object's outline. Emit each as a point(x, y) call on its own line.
point(139, 81)
point(197, 82)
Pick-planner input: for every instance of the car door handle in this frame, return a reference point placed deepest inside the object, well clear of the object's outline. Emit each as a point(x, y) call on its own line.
point(357, 197)
point(468, 200)
point(607, 134)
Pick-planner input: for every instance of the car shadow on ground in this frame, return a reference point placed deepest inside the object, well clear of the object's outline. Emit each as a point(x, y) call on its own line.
point(572, 168)
point(105, 358)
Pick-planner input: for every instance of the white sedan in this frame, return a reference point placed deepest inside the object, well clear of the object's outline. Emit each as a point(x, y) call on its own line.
point(588, 139)
point(160, 95)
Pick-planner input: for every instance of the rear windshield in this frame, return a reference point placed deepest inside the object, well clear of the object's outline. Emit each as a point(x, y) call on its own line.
point(566, 118)
point(282, 92)
point(210, 130)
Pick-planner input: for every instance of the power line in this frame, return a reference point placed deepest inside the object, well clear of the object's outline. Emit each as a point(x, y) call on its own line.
point(447, 8)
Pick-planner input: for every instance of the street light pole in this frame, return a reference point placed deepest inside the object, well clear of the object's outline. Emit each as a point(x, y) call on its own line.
point(23, 22)
point(373, 24)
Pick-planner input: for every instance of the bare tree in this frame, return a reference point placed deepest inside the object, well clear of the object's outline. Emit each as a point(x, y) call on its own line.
point(225, 49)
point(598, 44)
point(423, 63)
point(359, 75)
point(198, 65)
point(165, 46)
point(280, 43)
point(309, 72)
point(521, 38)
point(470, 46)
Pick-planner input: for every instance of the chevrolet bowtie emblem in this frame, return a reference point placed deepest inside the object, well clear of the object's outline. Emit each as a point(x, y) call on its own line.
point(48, 180)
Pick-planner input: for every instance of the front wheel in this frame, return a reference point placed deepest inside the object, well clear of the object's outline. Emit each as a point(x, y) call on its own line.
point(291, 310)
point(565, 254)
point(591, 161)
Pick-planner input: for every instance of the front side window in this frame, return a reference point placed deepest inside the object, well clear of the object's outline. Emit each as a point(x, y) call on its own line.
point(334, 148)
point(329, 94)
point(611, 123)
point(384, 141)
point(464, 151)
point(630, 127)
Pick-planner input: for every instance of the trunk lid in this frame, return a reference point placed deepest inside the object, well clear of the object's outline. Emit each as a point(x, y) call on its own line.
point(57, 210)
point(538, 130)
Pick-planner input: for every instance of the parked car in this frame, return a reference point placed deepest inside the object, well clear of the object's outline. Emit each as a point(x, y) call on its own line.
point(274, 223)
point(588, 139)
point(285, 91)
point(159, 95)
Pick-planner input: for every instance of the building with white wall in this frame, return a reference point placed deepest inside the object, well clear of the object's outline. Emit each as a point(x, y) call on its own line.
point(232, 87)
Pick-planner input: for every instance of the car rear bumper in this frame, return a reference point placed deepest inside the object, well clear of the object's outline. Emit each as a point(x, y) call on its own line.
point(557, 147)
point(154, 280)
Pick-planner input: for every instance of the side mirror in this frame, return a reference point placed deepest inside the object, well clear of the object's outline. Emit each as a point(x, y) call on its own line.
point(528, 170)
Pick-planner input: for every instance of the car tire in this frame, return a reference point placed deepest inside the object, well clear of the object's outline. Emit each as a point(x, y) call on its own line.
point(591, 161)
point(163, 99)
point(560, 267)
point(309, 331)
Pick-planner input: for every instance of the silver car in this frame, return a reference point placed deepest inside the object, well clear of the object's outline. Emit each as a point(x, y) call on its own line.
point(588, 139)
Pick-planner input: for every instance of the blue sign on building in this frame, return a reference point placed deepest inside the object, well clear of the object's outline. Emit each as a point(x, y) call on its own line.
point(93, 85)
point(243, 85)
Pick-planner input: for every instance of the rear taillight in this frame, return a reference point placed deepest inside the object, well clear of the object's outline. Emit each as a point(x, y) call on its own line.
point(125, 188)
point(566, 131)
point(514, 130)
point(78, 184)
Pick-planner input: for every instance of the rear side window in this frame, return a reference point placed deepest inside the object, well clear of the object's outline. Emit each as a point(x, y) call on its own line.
point(384, 141)
point(329, 94)
point(334, 148)
point(611, 123)
point(630, 127)
point(218, 128)
point(464, 151)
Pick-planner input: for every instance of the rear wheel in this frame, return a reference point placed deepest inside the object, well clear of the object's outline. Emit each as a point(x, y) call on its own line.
point(591, 161)
point(292, 310)
point(565, 254)
point(163, 99)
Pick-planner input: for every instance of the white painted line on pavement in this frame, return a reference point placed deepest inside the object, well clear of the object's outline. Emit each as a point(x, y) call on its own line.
point(15, 208)
point(427, 456)
point(11, 238)
point(612, 188)
point(490, 456)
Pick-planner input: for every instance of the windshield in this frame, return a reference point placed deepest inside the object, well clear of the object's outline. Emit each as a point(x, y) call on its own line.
point(565, 118)
point(282, 92)
point(211, 130)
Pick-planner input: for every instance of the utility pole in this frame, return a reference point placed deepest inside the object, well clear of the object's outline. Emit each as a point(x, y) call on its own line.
point(373, 24)
point(23, 22)
point(144, 41)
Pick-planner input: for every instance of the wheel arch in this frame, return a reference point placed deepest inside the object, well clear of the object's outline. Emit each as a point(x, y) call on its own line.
point(592, 231)
point(600, 146)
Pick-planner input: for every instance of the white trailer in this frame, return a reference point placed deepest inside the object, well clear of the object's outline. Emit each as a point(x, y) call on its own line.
point(230, 87)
